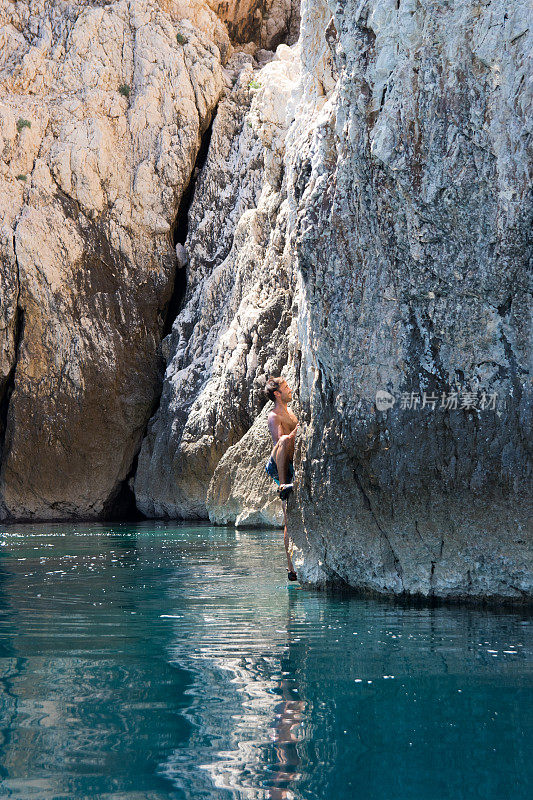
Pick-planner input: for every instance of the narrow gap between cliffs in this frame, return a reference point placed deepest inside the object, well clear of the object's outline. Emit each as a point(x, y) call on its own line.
point(121, 505)
point(18, 329)
point(10, 380)
point(180, 230)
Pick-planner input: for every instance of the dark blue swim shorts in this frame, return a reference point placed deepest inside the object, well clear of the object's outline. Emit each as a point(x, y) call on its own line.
point(272, 470)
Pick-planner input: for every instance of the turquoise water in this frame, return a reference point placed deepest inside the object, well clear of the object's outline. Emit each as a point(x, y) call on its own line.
point(151, 661)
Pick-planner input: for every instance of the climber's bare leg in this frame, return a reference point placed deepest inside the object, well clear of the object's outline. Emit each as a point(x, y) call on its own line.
point(286, 536)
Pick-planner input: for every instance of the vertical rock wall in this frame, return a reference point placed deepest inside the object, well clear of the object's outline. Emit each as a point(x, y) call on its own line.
point(411, 238)
point(102, 111)
point(406, 220)
point(362, 223)
point(232, 328)
point(102, 108)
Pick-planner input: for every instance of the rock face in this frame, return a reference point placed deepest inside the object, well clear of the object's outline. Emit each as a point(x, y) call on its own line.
point(404, 219)
point(237, 307)
point(411, 237)
point(101, 115)
point(241, 492)
point(102, 110)
point(265, 23)
point(361, 225)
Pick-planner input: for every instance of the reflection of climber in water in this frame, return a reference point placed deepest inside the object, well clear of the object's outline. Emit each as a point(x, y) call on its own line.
point(288, 716)
point(282, 425)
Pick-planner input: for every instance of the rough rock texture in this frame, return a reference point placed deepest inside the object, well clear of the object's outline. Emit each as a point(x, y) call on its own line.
point(412, 248)
point(264, 23)
point(231, 330)
point(405, 216)
point(90, 181)
point(241, 492)
point(362, 223)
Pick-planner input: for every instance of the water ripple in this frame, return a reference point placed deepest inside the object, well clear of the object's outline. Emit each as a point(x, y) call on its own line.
point(173, 661)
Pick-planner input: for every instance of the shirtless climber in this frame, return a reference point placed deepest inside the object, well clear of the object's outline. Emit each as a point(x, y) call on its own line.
point(282, 425)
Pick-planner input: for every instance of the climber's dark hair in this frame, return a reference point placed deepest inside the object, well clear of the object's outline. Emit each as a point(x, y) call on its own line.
point(272, 385)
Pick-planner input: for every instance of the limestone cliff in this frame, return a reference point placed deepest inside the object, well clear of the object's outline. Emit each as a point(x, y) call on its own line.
point(404, 218)
point(412, 242)
point(102, 110)
point(236, 311)
point(360, 220)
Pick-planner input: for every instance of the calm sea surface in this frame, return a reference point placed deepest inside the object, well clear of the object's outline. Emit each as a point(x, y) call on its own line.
point(154, 661)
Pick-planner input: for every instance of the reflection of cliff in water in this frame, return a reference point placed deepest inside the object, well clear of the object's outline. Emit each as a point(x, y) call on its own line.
point(180, 664)
point(84, 703)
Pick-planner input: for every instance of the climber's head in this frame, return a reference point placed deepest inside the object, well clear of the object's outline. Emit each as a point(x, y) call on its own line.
point(278, 389)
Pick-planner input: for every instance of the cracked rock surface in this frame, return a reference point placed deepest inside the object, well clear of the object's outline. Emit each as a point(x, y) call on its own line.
point(101, 115)
point(361, 225)
point(411, 235)
point(237, 308)
point(403, 215)
point(265, 23)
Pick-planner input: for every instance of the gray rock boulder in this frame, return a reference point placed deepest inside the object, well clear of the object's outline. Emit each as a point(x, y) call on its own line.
point(241, 493)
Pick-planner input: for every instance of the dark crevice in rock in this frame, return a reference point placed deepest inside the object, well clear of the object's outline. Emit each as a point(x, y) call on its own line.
point(514, 369)
point(366, 501)
point(292, 31)
point(505, 307)
point(424, 337)
point(121, 504)
point(69, 204)
point(304, 169)
point(180, 227)
point(10, 380)
point(9, 384)
point(180, 230)
point(251, 27)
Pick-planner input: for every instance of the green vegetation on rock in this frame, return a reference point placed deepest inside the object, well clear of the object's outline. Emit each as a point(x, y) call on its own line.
point(23, 123)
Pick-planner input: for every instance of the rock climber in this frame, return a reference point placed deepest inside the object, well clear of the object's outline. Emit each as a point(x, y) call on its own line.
point(282, 425)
